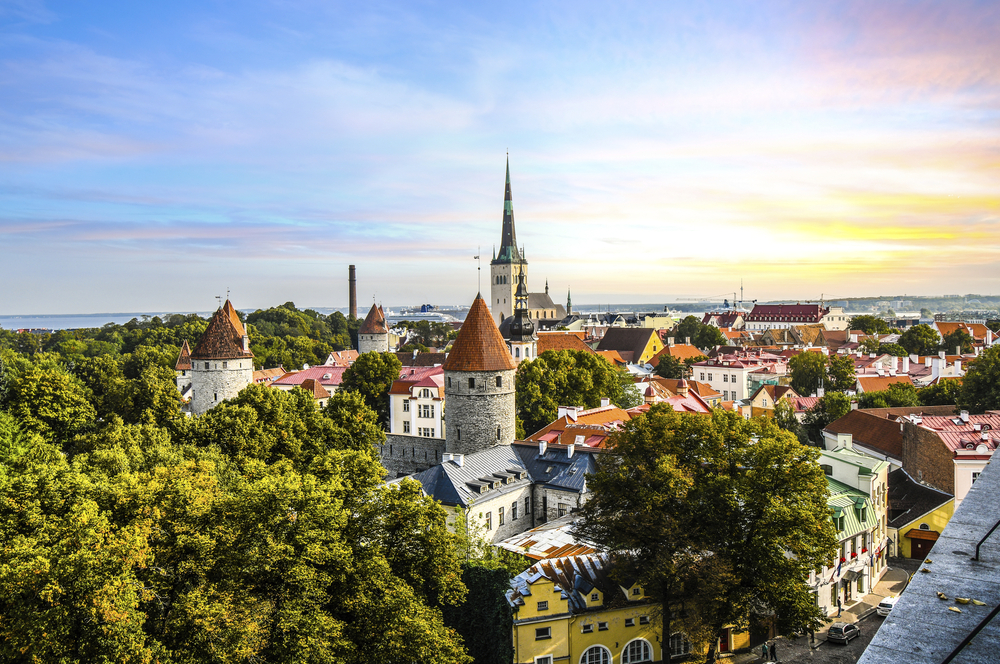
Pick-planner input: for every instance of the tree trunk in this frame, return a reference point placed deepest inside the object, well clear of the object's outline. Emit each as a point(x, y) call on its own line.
point(713, 644)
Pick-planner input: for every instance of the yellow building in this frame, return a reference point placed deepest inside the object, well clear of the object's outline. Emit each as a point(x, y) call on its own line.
point(569, 610)
point(763, 401)
point(917, 514)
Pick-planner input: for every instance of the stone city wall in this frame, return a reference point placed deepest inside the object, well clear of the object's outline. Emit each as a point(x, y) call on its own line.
point(404, 455)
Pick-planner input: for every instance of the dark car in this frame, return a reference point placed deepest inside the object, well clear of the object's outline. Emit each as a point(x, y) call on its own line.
point(842, 632)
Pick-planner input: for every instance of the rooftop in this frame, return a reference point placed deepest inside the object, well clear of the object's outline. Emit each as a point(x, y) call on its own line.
point(479, 346)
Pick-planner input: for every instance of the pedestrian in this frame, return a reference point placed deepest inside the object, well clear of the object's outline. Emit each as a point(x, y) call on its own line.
point(763, 651)
point(774, 652)
point(839, 607)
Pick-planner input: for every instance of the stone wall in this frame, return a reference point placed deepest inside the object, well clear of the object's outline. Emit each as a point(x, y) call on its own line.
point(404, 455)
point(927, 459)
point(476, 411)
point(547, 500)
point(378, 343)
point(491, 502)
point(223, 379)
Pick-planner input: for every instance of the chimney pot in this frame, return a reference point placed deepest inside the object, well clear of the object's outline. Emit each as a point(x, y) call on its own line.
point(542, 447)
point(460, 459)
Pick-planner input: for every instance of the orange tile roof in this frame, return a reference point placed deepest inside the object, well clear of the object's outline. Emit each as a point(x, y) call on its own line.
point(561, 341)
point(611, 356)
point(374, 322)
point(223, 338)
point(184, 361)
point(479, 346)
point(315, 388)
point(881, 383)
point(680, 351)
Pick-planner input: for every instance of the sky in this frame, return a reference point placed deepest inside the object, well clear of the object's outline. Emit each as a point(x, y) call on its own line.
point(154, 155)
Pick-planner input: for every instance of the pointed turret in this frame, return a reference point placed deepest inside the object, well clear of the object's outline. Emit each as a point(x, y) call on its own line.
point(508, 239)
point(184, 361)
point(221, 362)
point(374, 334)
point(479, 346)
point(569, 302)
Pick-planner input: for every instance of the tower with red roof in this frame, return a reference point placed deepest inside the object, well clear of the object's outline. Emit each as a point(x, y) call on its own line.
point(221, 362)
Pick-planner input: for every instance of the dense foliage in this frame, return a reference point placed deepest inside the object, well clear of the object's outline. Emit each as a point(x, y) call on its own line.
point(260, 531)
point(980, 389)
point(920, 340)
point(810, 371)
point(568, 378)
point(371, 376)
point(869, 324)
point(703, 337)
point(721, 519)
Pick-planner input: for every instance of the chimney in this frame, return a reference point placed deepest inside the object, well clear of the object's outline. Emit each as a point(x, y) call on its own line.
point(854, 405)
point(670, 341)
point(941, 354)
point(246, 344)
point(352, 291)
point(936, 367)
point(964, 416)
point(958, 367)
point(605, 402)
point(542, 446)
point(459, 459)
point(906, 365)
point(894, 364)
point(927, 361)
point(687, 340)
point(958, 350)
point(447, 456)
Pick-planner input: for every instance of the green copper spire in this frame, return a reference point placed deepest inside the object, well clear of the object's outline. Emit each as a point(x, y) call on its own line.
point(508, 244)
point(569, 302)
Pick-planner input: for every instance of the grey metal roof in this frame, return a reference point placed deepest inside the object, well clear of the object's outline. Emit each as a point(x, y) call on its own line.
point(909, 500)
point(556, 469)
point(454, 484)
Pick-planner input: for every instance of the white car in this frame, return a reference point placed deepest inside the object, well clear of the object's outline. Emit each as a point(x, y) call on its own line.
point(885, 606)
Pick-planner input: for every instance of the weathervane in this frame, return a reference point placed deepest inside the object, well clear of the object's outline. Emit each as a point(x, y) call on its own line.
point(479, 268)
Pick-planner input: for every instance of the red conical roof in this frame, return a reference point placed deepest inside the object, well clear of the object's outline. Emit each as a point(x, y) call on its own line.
point(374, 322)
point(184, 361)
point(223, 339)
point(479, 346)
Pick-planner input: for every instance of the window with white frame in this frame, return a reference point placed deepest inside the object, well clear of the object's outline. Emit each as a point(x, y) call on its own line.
point(679, 645)
point(544, 659)
point(543, 606)
point(596, 655)
point(513, 511)
point(406, 405)
point(406, 426)
point(975, 476)
point(637, 651)
point(426, 411)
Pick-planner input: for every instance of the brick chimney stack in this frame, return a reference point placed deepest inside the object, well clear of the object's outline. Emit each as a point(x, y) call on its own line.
point(353, 291)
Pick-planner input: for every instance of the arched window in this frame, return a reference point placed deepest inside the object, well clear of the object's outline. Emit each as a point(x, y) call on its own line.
point(637, 651)
point(596, 655)
point(517, 353)
point(500, 380)
point(498, 433)
point(924, 526)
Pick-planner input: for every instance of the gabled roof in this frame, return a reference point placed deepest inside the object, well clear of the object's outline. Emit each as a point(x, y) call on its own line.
point(630, 342)
point(594, 425)
point(315, 388)
point(479, 346)
point(909, 500)
point(325, 375)
point(223, 338)
point(268, 375)
point(843, 499)
point(341, 358)
point(612, 356)
point(459, 485)
point(881, 383)
point(561, 341)
point(881, 434)
point(184, 360)
point(680, 351)
point(418, 359)
point(790, 313)
point(374, 322)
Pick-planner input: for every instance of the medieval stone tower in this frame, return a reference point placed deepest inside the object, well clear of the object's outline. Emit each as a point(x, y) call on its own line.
point(221, 362)
point(479, 386)
point(374, 335)
point(508, 264)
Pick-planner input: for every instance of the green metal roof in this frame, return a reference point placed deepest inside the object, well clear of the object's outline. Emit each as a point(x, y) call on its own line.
point(843, 501)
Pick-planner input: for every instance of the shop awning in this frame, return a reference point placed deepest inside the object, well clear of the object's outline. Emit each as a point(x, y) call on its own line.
point(850, 575)
point(916, 533)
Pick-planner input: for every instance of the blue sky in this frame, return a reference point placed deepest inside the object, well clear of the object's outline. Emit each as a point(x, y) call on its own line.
point(154, 154)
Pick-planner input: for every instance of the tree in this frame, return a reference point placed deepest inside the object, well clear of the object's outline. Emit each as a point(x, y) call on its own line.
point(719, 516)
point(808, 372)
point(959, 339)
point(568, 378)
point(920, 340)
point(981, 385)
point(894, 350)
point(670, 367)
point(840, 369)
point(898, 395)
point(926, 313)
point(942, 393)
point(829, 408)
point(371, 376)
point(702, 336)
point(870, 324)
point(50, 402)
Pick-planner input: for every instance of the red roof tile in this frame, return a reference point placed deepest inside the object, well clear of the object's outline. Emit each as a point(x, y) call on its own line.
point(184, 361)
point(561, 341)
point(374, 322)
point(479, 346)
point(223, 338)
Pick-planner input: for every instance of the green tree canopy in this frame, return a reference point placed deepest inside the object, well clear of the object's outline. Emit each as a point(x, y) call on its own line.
point(942, 393)
point(704, 337)
point(808, 372)
point(568, 378)
point(920, 340)
point(981, 385)
point(371, 376)
point(670, 367)
point(840, 370)
point(720, 516)
point(830, 407)
point(870, 324)
point(892, 349)
point(898, 395)
point(959, 339)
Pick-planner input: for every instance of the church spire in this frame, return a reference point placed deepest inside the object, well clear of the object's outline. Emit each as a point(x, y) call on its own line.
point(508, 243)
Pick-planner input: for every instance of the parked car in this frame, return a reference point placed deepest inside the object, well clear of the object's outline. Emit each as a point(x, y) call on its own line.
point(885, 606)
point(842, 632)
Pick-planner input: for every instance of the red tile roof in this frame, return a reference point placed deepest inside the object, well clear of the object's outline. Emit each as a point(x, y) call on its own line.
point(327, 376)
point(561, 341)
point(881, 383)
point(870, 430)
point(374, 322)
point(223, 338)
point(315, 388)
point(680, 351)
point(479, 346)
point(788, 313)
point(184, 361)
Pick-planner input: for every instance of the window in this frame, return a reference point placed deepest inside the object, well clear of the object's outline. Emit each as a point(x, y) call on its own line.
point(543, 606)
point(449, 381)
point(725, 395)
point(630, 622)
point(602, 627)
point(527, 506)
point(636, 591)
point(710, 376)
point(732, 378)
point(425, 394)
point(406, 405)
point(499, 381)
point(643, 620)
point(406, 427)
point(594, 597)
point(546, 659)
point(513, 511)
point(861, 584)
point(833, 595)
point(489, 521)
point(587, 629)
point(472, 383)
point(216, 395)
point(596, 655)
point(500, 517)
point(225, 365)
point(725, 378)
point(498, 433)
point(975, 476)
point(458, 432)
point(543, 633)
point(679, 645)
point(517, 353)
point(637, 651)
point(702, 376)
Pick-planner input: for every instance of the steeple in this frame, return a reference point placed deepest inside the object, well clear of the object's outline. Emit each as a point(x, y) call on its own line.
point(569, 302)
point(521, 328)
point(508, 242)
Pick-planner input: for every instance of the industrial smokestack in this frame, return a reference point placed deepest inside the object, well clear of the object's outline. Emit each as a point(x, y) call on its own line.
point(353, 288)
